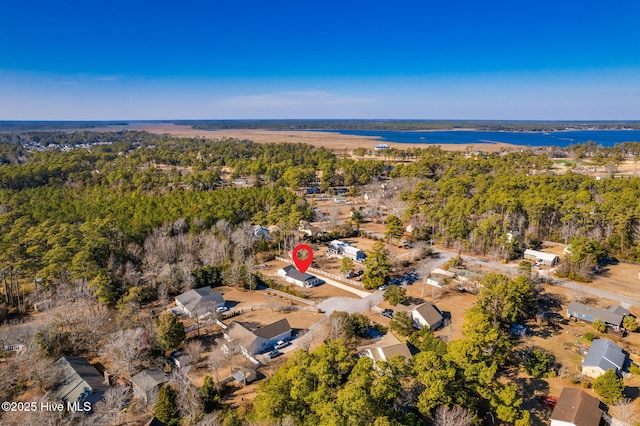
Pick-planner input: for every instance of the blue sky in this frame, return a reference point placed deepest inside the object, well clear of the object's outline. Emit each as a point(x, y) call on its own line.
point(113, 60)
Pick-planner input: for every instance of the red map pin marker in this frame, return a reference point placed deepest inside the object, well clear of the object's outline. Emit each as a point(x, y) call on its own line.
point(302, 256)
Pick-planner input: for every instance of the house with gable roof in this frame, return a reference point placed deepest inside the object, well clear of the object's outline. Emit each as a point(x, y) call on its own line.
point(147, 381)
point(199, 301)
point(576, 407)
point(603, 355)
point(388, 347)
point(253, 340)
point(291, 275)
point(77, 381)
point(612, 316)
point(426, 315)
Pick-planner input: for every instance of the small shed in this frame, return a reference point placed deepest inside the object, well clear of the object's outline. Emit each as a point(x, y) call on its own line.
point(243, 377)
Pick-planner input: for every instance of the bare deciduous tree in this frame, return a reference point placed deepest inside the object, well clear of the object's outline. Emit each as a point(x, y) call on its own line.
point(195, 349)
point(452, 416)
point(189, 402)
point(626, 412)
point(224, 228)
point(211, 419)
point(304, 342)
point(163, 294)
point(216, 361)
point(126, 349)
point(337, 326)
point(108, 411)
point(213, 250)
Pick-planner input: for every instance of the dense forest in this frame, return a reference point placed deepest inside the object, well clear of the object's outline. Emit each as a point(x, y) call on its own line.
point(64, 195)
point(112, 220)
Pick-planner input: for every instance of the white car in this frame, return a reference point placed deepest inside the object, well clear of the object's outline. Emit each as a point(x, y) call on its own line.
point(282, 344)
point(222, 309)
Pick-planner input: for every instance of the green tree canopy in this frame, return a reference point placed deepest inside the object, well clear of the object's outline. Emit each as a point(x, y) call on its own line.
point(610, 387)
point(377, 267)
point(166, 409)
point(171, 332)
point(394, 228)
point(395, 294)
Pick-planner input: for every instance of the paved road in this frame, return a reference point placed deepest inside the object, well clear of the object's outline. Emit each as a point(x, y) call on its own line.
point(351, 305)
point(625, 301)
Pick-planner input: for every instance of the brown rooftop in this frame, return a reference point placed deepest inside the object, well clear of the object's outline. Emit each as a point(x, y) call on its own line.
point(577, 407)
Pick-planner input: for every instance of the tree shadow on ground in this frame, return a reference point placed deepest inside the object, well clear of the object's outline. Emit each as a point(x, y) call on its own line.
point(534, 389)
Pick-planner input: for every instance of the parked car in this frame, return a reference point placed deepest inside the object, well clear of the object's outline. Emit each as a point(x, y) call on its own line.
point(382, 287)
point(388, 313)
point(222, 309)
point(282, 344)
point(274, 354)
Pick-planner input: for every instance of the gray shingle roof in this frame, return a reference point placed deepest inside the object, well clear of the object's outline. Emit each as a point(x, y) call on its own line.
point(149, 378)
point(292, 272)
point(197, 298)
point(607, 316)
point(272, 330)
point(78, 381)
point(429, 312)
point(605, 354)
point(618, 310)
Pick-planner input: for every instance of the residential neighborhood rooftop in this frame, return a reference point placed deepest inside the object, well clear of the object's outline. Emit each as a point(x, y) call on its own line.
point(79, 381)
point(149, 378)
point(607, 315)
point(606, 355)
point(272, 330)
point(577, 407)
point(193, 298)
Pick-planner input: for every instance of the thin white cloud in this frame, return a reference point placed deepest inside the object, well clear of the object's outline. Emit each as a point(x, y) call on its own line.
point(307, 98)
point(109, 78)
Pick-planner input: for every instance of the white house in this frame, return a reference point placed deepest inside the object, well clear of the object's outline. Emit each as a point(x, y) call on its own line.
point(549, 259)
point(199, 301)
point(439, 276)
point(426, 315)
point(576, 407)
point(252, 340)
point(291, 275)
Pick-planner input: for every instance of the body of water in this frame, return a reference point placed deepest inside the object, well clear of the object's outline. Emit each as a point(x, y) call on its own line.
point(560, 139)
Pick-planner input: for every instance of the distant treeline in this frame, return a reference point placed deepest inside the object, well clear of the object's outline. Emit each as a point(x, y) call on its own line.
point(528, 126)
point(513, 126)
point(19, 126)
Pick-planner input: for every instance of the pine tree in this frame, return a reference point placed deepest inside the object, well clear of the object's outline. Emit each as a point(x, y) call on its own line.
point(170, 332)
point(610, 387)
point(166, 409)
point(209, 395)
